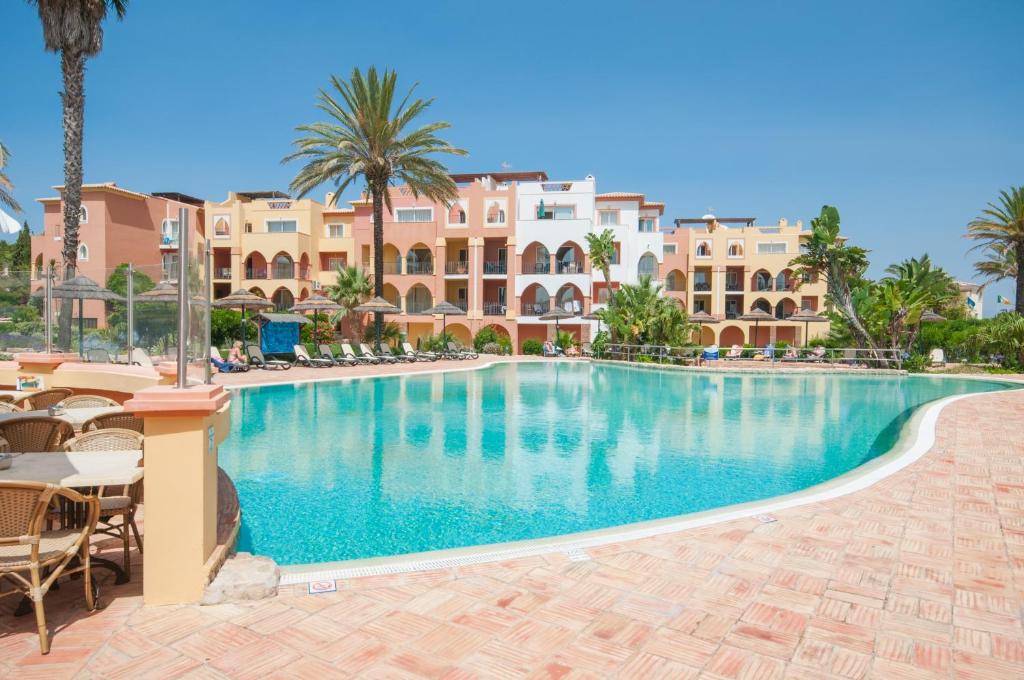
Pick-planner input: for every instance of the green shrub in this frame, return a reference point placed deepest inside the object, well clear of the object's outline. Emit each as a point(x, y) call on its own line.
point(600, 343)
point(437, 343)
point(491, 348)
point(535, 347)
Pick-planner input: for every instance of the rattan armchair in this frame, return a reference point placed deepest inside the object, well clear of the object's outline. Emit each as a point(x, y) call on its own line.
point(9, 407)
point(6, 397)
point(124, 421)
point(120, 501)
point(25, 547)
point(87, 401)
point(36, 433)
point(44, 399)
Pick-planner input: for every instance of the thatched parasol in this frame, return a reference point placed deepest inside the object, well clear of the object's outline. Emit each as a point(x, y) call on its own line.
point(757, 315)
point(81, 288)
point(806, 316)
point(243, 299)
point(444, 308)
point(702, 318)
point(377, 305)
point(556, 314)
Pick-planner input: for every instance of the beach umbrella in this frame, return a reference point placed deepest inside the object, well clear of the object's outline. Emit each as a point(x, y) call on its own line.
point(81, 288)
point(555, 315)
point(702, 318)
point(540, 209)
point(377, 305)
point(806, 316)
point(243, 299)
point(444, 308)
point(315, 303)
point(757, 315)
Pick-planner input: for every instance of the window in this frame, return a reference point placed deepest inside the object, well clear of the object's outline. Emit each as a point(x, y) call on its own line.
point(83, 215)
point(735, 249)
point(699, 305)
point(169, 267)
point(414, 214)
point(704, 248)
point(556, 212)
point(701, 284)
point(616, 253)
point(648, 265)
point(495, 214)
point(647, 225)
point(771, 248)
point(87, 322)
point(602, 295)
point(335, 262)
point(284, 267)
point(282, 226)
point(335, 231)
point(457, 214)
point(169, 232)
point(671, 282)
point(668, 249)
point(283, 300)
point(221, 226)
point(83, 252)
point(608, 217)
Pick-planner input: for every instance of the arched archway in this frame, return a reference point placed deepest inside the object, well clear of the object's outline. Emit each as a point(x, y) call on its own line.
point(707, 336)
point(304, 293)
point(255, 266)
point(392, 259)
point(304, 266)
point(456, 214)
point(419, 260)
point(256, 290)
point(283, 299)
point(282, 266)
point(675, 280)
point(762, 280)
point(499, 329)
point(536, 300)
point(418, 299)
point(647, 266)
point(39, 265)
point(731, 335)
point(762, 304)
point(784, 280)
point(391, 294)
point(536, 259)
point(569, 258)
point(784, 308)
point(570, 298)
point(460, 333)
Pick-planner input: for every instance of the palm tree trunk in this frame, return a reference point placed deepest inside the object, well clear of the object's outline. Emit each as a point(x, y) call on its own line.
point(73, 70)
point(378, 255)
point(1018, 302)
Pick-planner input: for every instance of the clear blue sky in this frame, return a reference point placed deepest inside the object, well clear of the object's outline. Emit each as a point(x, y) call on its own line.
point(908, 116)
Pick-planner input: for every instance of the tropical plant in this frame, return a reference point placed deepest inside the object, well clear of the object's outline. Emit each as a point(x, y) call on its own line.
point(601, 251)
point(640, 315)
point(488, 335)
point(533, 346)
point(320, 332)
point(999, 231)
point(565, 339)
point(368, 139)
point(390, 333)
point(911, 288)
point(826, 254)
point(352, 289)
point(21, 251)
point(437, 343)
point(1005, 335)
point(6, 197)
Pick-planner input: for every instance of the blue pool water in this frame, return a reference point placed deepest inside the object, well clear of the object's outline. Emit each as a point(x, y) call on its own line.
point(386, 466)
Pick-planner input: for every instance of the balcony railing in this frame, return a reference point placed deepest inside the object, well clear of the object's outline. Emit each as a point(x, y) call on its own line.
point(536, 267)
point(419, 268)
point(167, 241)
point(461, 305)
point(699, 287)
point(733, 287)
point(494, 309)
point(392, 267)
point(416, 306)
point(456, 267)
point(255, 273)
point(496, 267)
point(222, 272)
point(286, 272)
point(536, 308)
point(569, 267)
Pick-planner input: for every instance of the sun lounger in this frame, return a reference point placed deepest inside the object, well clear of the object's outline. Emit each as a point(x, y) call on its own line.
point(388, 358)
point(586, 349)
point(140, 358)
point(302, 358)
point(326, 353)
point(225, 366)
point(346, 349)
point(462, 351)
point(257, 359)
point(386, 351)
point(937, 357)
point(736, 352)
point(417, 355)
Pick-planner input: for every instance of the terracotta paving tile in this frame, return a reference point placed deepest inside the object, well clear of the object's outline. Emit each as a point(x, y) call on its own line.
point(255, 660)
point(215, 641)
point(355, 651)
point(678, 646)
point(450, 642)
point(645, 666)
point(308, 668)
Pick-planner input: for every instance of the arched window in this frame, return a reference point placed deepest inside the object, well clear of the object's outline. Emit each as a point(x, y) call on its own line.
point(735, 249)
point(674, 280)
point(457, 214)
point(417, 300)
point(283, 300)
point(763, 305)
point(648, 265)
point(763, 281)
point(704, 249)
point(567, 299)
point(780, 309)
point(284, 267)
point(83, 215)
point(83, 252)
point(542, 260)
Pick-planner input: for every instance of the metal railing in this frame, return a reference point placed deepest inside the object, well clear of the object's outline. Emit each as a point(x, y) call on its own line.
point(536, 308)
point(222, 272)
point(456, 267)
point(494, 309)
point(418, 267)
point(569, 268)
point(461, 305)
point(851, 357)
point(702, 287)
point(498, 267)
point(536, 267)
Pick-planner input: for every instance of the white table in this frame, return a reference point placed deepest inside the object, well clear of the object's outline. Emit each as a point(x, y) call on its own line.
point(16, 394)
point(74, 469)
point(76, 417)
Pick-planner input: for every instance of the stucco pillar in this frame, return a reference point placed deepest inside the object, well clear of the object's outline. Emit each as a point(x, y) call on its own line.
point(440, 259)
point(183, 428)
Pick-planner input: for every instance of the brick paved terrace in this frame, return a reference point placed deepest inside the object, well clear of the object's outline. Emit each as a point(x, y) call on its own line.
point(919, 576)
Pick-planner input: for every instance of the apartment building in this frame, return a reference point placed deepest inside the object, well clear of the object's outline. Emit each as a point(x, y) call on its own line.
point(117, 226)
point(735, 266)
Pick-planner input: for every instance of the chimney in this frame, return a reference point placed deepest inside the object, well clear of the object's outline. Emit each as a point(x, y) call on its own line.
point(783, 222)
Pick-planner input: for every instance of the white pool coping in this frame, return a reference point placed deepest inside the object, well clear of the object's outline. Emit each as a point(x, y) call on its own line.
point(916, 438)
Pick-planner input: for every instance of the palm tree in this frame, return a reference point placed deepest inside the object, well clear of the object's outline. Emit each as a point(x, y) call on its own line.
point(5, 184)
point(353, 288)
point(601, 253)
point(1000, 227)
point(1006, 334)
point(826, 254)
point(999, 262)
point(74, 28)
point(367, 139)
point(641, 315)
point(911, 288)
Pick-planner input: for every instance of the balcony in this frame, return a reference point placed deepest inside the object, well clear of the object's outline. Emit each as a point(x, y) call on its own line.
point(392, 267)
point(499, 267)
point(734, 287)
point(255, 273)
point(419, 268)
point(701, 287)
point(536, 308)
point(536, 267)
point(457, 268)
point(569, 267)
point(417, 306)
point(460, 304)
point(168, 242)
point(286, 272)
point(222, 272)
point(495, 309)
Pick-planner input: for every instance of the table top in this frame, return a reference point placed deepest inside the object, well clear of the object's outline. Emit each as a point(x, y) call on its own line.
point(93, 468)
point(17, 394)
point(75, 416)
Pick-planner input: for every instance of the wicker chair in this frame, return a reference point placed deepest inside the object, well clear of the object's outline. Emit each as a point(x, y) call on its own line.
point(8, 407)
point(124, 421)
point(37, 401)
point(36, 433)
point(120, 501)
point(6, 397)
point(87, 401)
point(25, 547)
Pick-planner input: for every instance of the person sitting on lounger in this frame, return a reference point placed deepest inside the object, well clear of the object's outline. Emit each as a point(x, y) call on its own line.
point(236, 355)
point(735, 352)
point(790, 354)
point(549, 349)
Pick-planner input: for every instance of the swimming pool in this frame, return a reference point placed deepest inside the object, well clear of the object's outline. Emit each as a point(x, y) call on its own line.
point(393, 465)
